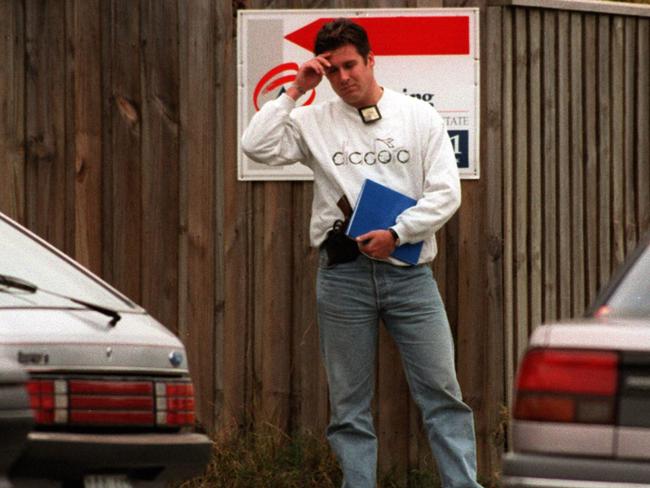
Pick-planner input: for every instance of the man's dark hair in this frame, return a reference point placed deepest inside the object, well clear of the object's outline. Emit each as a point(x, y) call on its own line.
point(340, 32)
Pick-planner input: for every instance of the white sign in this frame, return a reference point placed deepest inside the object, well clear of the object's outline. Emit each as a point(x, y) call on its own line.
point(431, 54)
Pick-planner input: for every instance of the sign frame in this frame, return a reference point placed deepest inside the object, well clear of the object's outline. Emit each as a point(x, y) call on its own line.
point(252, 80)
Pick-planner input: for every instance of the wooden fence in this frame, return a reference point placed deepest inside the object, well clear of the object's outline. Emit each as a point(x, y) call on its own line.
point(118, 144)
point(571, 126)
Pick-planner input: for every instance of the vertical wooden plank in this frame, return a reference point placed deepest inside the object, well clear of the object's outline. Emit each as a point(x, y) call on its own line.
point(471, 330)
point(564, 166)
point(160, 151)
point(309, 383)
point(272, 297)
point(481, 224)
point(12, 109)
point(187, 332)
point(276, 307)
point(473, 335)
point(629, 111)
point(257, 292)
point(86, 43)
point(520, 174)
point(618, 154)
point(507, 133)
point(45, 96)
point(549, 175)
point(577, 169)
point(604, 150)
point(197, 36)
point(225, 80)
point(494, 369)
point(590, 76)
point(254, 268)
point(69, 132)
point(535, 175)
point(643, 126)
point(124, 113)
point(106, 34)
point(238, 318)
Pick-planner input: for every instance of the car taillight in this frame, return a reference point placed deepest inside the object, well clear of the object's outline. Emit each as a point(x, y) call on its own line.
point(48, 400)
point(175, 404)
point(558, 385)
point(103, 402)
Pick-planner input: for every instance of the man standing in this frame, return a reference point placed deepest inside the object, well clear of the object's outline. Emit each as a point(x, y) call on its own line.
point(401, 142)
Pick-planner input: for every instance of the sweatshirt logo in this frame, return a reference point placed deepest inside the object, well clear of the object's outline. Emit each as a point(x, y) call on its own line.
point(385, 152)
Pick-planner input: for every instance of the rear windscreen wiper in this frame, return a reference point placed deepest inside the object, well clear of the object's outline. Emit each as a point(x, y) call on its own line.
point(17, 283)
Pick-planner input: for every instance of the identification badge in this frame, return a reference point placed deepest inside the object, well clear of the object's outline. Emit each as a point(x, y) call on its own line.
point(370, 114)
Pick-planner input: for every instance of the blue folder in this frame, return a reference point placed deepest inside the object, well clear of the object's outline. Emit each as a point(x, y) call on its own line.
point(378, 208)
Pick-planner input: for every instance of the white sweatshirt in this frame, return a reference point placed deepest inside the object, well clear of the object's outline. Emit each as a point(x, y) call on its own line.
point(407, 150)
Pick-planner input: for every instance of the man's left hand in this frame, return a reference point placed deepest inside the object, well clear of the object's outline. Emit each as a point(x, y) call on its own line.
point(378, 244)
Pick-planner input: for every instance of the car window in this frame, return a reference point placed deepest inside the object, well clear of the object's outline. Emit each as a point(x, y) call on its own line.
point(632, 295)
point(24, 257)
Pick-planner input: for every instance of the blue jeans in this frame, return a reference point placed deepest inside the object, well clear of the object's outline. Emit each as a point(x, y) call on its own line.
point(352, 298)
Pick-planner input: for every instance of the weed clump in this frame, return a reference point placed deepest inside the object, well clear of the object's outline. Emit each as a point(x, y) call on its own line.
point(269, 458)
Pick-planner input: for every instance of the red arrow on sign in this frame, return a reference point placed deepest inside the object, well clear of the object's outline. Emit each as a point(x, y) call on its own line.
point(401, 36)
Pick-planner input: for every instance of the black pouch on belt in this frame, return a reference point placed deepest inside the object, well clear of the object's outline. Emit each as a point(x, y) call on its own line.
point(339, 246)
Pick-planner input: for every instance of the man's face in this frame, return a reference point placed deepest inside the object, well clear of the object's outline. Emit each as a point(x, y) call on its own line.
point(351, 76)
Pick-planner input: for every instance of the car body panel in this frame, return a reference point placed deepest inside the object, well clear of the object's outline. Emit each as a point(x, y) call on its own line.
point(588, 440)
point(612, 334)
point(47, 340)
point(16, 418)
point(62, 455)
point(524, 470)
point(633, 443)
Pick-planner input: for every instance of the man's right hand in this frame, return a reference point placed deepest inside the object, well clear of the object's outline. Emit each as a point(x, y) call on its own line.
point(310, 74)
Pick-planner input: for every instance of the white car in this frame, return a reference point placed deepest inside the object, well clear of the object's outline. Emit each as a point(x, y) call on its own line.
point(93, 390)
point(581, 414)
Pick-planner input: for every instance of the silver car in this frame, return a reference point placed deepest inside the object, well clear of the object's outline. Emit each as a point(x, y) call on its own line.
point(581, 414)
point(93, 390)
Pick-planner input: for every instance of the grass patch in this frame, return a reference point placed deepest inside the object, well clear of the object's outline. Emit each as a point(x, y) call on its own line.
point(271, 459)
point(414, 478)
